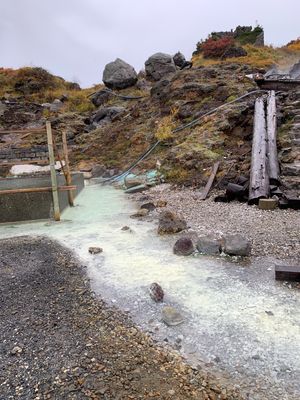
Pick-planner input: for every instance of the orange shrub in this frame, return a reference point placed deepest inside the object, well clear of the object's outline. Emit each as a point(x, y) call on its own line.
point(215, 48)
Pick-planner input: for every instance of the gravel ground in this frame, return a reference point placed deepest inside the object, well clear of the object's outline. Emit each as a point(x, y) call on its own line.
point(273, 233)
point(58, 341)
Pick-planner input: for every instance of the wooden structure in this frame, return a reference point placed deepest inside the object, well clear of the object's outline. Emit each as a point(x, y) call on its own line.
point(52, 147)
point(210, 181)
point(273, 165)
point(287, 273)
point(259, 179)
point(278, 84)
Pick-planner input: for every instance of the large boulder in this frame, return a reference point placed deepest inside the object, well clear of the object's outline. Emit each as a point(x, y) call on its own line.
point(170, 223)
point(184, 247)
point(119, 75)
point(236, 245)
point(159, 65)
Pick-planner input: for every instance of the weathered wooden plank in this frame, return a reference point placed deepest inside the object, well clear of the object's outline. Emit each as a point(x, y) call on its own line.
point(287, 273)
point(259, 180)
point(210, 181)
point(53, 172)
point(67, 165)
point(273, 165)
point(7, 164)
point(37, 190)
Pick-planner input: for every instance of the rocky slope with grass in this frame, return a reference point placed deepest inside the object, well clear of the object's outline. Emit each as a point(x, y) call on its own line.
point(113, 124)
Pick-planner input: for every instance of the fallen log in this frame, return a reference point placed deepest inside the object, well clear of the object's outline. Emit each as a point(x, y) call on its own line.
point(273, 165)
point(210, 181)
point(259, 180)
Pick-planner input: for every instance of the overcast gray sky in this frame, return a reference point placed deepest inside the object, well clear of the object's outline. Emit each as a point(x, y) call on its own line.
point(76, 38)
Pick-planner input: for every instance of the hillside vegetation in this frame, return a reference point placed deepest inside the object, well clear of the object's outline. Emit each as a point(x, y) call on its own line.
point(185, 156)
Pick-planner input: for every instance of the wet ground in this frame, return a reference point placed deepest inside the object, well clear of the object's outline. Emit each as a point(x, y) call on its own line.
point(60, 342)
point(239, 321)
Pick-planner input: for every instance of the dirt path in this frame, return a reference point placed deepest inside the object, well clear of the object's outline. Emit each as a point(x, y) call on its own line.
point(59, 342)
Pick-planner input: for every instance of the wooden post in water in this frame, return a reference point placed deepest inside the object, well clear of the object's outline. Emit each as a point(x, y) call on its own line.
point(67, 167)
point(53, 172)
point(259, 180)
point(273, 165)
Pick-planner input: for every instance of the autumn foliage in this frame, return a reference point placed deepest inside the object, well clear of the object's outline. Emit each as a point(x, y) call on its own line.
point(215, 48)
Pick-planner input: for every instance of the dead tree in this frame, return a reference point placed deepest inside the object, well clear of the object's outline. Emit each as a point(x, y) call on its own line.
point(259, 180)
point(273, 165)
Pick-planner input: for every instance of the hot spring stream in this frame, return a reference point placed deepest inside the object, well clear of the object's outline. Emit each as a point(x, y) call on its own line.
point(237, 318)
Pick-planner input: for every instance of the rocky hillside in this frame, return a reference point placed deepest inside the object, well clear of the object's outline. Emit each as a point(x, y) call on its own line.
point(113, 124)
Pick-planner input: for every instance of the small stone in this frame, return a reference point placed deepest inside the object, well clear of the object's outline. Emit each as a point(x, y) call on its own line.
point(148, 206)
point(125, 228)
point(236, 245)
point(161, 203)
point(156, 292)
point(16, 350)
point(140, 213)
point(183, 247)
point(171, 316)
point(95, 250)
point(171, 392)
point(170, 222)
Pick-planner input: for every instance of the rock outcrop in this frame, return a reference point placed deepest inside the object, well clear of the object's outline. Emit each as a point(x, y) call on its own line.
point(159, 65)
point(119, 75)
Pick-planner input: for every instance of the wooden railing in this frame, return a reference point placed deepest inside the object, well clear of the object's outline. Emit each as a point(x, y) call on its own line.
point(52, 149)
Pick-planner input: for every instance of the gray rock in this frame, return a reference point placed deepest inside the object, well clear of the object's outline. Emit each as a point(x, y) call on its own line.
point(140, 213)
point(170, 223)
point(98, 171)
point(148, 206)
point(171, 316)
point(156, 292)
point(106, 115)
point(179, 60)
point(95, 250)
point(183, 247)
point(16, 350)
point(209, 245)
point(161, 89)
point(56, 105)
point(236, 245)
point(159, 65)
point(101, 97)
point(119, 75)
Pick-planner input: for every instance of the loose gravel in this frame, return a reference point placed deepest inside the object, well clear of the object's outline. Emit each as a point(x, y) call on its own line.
point(58, 341)
point(273, 233)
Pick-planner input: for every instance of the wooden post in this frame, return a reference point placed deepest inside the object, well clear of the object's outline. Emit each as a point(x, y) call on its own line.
point(259, 180)
point(53, 172)
point(67, 166)
point(273, 165)
point(210, 181)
